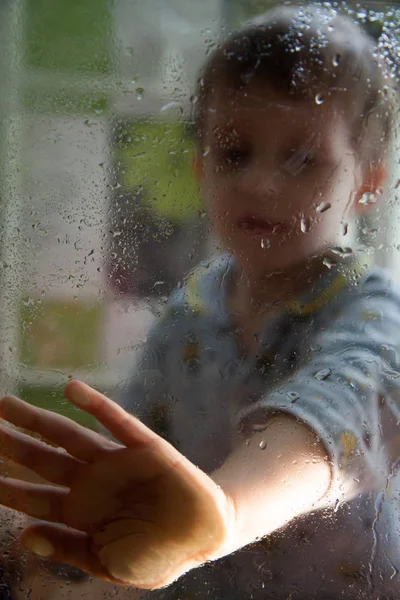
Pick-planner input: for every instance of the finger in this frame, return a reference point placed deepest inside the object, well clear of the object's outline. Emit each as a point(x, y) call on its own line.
point(123, 426)
point(50, 463)
point(37, 501)
point(65, 546)
point(80, 442)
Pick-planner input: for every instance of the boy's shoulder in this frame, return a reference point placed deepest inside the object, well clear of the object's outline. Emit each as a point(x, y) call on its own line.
point(203, 290)
point(195, 308)
point(346, 285)
point(196, 302)
point(378, 282)
point(366, 302)
point(382, 278)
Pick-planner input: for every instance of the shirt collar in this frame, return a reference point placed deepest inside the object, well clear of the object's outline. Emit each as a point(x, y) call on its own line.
point(209, 285)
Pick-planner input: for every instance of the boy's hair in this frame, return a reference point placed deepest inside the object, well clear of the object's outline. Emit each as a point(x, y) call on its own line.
point(306, 52)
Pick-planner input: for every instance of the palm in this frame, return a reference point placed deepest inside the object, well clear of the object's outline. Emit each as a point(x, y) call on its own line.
point(138, 513)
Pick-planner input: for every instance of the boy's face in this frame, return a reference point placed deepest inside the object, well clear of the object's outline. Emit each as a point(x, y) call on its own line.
point(279, 177)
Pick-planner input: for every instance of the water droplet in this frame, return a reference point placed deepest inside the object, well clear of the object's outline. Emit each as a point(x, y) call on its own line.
point(259, 426)
point(323, 374)
point(265, 244)
point(344, 228)
point(293, 396)
point(371, 233)
point(169, 105)
point(305, 224)
point(336, 60)
point(248, 75)
point(316, 348)
point(28, 302)
point(395, 572)
point(263, 445)
point(362, 14)
point(193, 99)
point(342, 252)
point(202, 214)
point(323, 207)
point(329, 262)
point(367, 199)
point(319, 98)
point(139, 93)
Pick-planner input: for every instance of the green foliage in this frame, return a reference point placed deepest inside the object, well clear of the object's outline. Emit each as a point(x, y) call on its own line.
point(53, 399)
point(157, 156)
point(62, 102)
point(60, 334)
point(69, 35)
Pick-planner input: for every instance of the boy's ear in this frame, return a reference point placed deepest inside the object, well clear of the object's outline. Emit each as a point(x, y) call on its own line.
point(373, 183)
point(197, 167)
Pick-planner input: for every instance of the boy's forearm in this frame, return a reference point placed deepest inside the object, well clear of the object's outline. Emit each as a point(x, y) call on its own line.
point(279, 475)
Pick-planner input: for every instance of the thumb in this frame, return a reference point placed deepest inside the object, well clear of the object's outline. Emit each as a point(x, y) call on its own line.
point(66, 546)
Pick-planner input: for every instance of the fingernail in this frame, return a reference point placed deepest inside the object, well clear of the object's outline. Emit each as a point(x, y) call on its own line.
point(79, 394)
point(39, 545)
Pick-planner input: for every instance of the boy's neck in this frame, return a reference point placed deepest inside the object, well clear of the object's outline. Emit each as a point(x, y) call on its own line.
point(257, 293)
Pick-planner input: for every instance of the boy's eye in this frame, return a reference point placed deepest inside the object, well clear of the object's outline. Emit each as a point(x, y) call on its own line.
point(236, 156)
point(298, 162)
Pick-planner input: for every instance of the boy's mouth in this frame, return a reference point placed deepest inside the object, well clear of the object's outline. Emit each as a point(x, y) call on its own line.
point(256, 225)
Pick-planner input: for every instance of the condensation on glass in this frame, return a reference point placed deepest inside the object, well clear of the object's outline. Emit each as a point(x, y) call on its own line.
point(101, 217)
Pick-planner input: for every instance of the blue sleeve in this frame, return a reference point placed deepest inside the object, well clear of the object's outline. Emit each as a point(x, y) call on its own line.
point(339, 389)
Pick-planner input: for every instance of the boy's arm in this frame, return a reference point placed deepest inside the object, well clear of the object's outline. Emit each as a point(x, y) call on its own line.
point(281, 474)
point(318, 439)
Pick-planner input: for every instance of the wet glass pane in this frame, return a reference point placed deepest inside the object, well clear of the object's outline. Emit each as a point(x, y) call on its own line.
point(199, 219)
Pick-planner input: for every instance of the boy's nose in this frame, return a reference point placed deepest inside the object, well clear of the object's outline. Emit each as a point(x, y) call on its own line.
point(261, 182)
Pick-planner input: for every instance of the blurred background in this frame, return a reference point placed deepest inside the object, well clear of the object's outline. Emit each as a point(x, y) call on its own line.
point(99, 214)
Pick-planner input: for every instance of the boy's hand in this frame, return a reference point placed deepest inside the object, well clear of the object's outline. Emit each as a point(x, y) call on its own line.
point(138, 513)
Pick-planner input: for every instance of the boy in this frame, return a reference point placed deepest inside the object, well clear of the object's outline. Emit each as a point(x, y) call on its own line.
point(274, 369)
